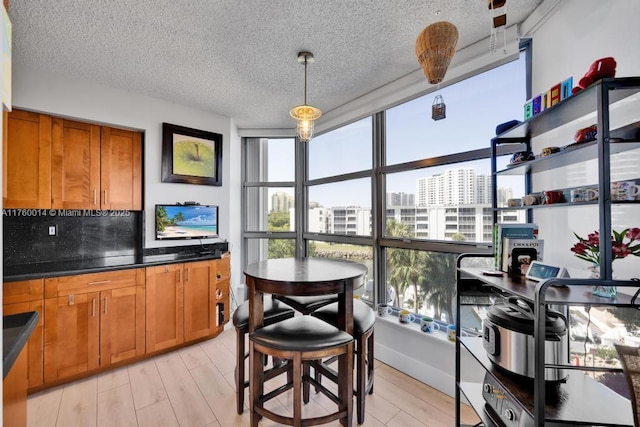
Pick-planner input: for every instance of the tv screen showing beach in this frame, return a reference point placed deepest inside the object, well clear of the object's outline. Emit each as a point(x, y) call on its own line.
point(186, 222)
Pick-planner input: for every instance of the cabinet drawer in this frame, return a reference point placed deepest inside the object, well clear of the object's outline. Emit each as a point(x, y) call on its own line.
point(28, 290)
point(94, 282)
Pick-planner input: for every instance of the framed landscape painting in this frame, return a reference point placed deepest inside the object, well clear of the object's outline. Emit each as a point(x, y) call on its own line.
point(191, 156)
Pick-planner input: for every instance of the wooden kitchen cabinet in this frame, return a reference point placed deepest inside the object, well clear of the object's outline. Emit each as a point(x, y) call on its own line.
point(164, 307)
point(199, 299)
point(95, 167)
point(27, 161)
point(120, 169)
point(182, 302)
point(75, 165)
point(64, 164)
point(92, 321)
point(20, 297)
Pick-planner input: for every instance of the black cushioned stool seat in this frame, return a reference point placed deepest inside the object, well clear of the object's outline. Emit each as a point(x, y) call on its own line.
point(363, 321)
point(307, 304)
point(300, 339)
point(274, 311)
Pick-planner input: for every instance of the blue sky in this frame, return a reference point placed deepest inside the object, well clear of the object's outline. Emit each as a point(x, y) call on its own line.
point(474, 107)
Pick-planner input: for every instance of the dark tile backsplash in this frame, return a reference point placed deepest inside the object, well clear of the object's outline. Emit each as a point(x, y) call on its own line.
point(27, 240)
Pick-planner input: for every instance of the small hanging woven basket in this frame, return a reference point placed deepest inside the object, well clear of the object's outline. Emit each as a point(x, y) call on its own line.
point(435, 47)
point(438, 109)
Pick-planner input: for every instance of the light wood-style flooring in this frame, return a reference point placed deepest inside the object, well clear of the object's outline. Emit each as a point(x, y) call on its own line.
point(194, 386)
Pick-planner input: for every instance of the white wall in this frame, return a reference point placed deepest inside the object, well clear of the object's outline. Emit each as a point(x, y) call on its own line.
point(581, 31)
point(58, 95)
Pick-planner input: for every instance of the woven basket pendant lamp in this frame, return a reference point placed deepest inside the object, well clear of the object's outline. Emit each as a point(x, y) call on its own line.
point(435, 47)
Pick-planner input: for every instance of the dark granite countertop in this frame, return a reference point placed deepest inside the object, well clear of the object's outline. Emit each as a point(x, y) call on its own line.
point(14, 273)
point(17, 329)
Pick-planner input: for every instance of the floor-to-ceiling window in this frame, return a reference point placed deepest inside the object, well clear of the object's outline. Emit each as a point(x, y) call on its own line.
point(397, 191)
point(268, 198)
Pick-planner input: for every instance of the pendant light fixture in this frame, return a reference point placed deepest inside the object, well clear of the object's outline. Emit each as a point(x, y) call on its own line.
point(305, 114)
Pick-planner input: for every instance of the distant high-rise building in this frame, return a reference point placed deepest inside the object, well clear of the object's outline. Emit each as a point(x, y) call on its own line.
point(457, 186)
point(400, 198)
point(282, 202)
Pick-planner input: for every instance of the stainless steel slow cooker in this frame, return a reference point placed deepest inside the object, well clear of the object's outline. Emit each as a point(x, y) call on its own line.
point(509, 343)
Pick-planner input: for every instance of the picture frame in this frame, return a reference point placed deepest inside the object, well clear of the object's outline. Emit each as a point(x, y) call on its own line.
point(191, 156)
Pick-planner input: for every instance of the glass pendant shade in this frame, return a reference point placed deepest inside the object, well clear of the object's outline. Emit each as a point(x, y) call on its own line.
point(305, 114)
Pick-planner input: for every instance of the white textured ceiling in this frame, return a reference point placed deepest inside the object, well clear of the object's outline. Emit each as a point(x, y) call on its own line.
point(237, 58)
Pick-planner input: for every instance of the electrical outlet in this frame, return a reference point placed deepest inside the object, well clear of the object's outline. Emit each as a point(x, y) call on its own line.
point(52, 230)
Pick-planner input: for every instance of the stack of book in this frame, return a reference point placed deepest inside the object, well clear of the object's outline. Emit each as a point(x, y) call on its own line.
point(515, 246)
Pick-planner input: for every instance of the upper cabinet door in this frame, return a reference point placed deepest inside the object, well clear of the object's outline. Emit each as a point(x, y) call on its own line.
point(27, 162)
point(121, 169)
point(75, 165)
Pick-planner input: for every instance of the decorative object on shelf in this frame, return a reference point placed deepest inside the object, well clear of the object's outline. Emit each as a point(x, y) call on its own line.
point(547, 151)
point(438, 109)
point(498, 15)
point(584, 194)
point(191, 156)
point(600, 69)
point(531, 199)
point(585, 134)
point(553, 196)
point(623, 244)
point(514, 203)
point(559, 92)
point(305, 114)
point(522, 156)
point(435, 46)
point(624, 190)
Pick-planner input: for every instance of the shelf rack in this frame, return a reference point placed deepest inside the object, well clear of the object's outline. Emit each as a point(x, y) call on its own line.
point(580, 400)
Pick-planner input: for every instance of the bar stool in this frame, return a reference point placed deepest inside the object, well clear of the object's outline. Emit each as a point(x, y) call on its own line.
point(307, 304)
point(274, 311)
point(363, 320)
point(300, 340)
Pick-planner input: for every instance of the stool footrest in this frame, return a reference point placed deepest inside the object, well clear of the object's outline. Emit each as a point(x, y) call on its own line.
point(305, 422)
point(319, 387)
point(273, 393)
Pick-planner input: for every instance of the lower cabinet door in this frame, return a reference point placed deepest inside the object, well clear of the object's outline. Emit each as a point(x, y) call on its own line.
point(164, 307)
point(199, 300)
point(121, 324)
point(71, 335)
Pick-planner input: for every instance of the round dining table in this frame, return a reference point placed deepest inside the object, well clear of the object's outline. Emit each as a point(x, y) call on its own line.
point(308, 277)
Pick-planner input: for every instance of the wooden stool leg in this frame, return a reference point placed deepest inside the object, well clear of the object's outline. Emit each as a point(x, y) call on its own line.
point(361, 377)
point(370, 343)
point(240, 375)
point(306, 371)
point(256, 382)
point(297, 392)
point(345, 383)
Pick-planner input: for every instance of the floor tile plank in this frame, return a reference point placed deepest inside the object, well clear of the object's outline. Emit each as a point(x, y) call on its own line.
point(146, 384)
point(78, 406)
point(187, 401)
point(115, 407)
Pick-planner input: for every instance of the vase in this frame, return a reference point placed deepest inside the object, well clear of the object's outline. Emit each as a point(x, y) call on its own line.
point(600, 290)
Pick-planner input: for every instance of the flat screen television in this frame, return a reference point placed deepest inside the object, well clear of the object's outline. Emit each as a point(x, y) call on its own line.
point(186, 222)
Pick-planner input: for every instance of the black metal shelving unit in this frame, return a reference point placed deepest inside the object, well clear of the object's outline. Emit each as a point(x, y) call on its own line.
point(581, 400)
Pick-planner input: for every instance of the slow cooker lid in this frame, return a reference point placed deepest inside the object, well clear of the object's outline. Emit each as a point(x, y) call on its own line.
point(509, 315)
